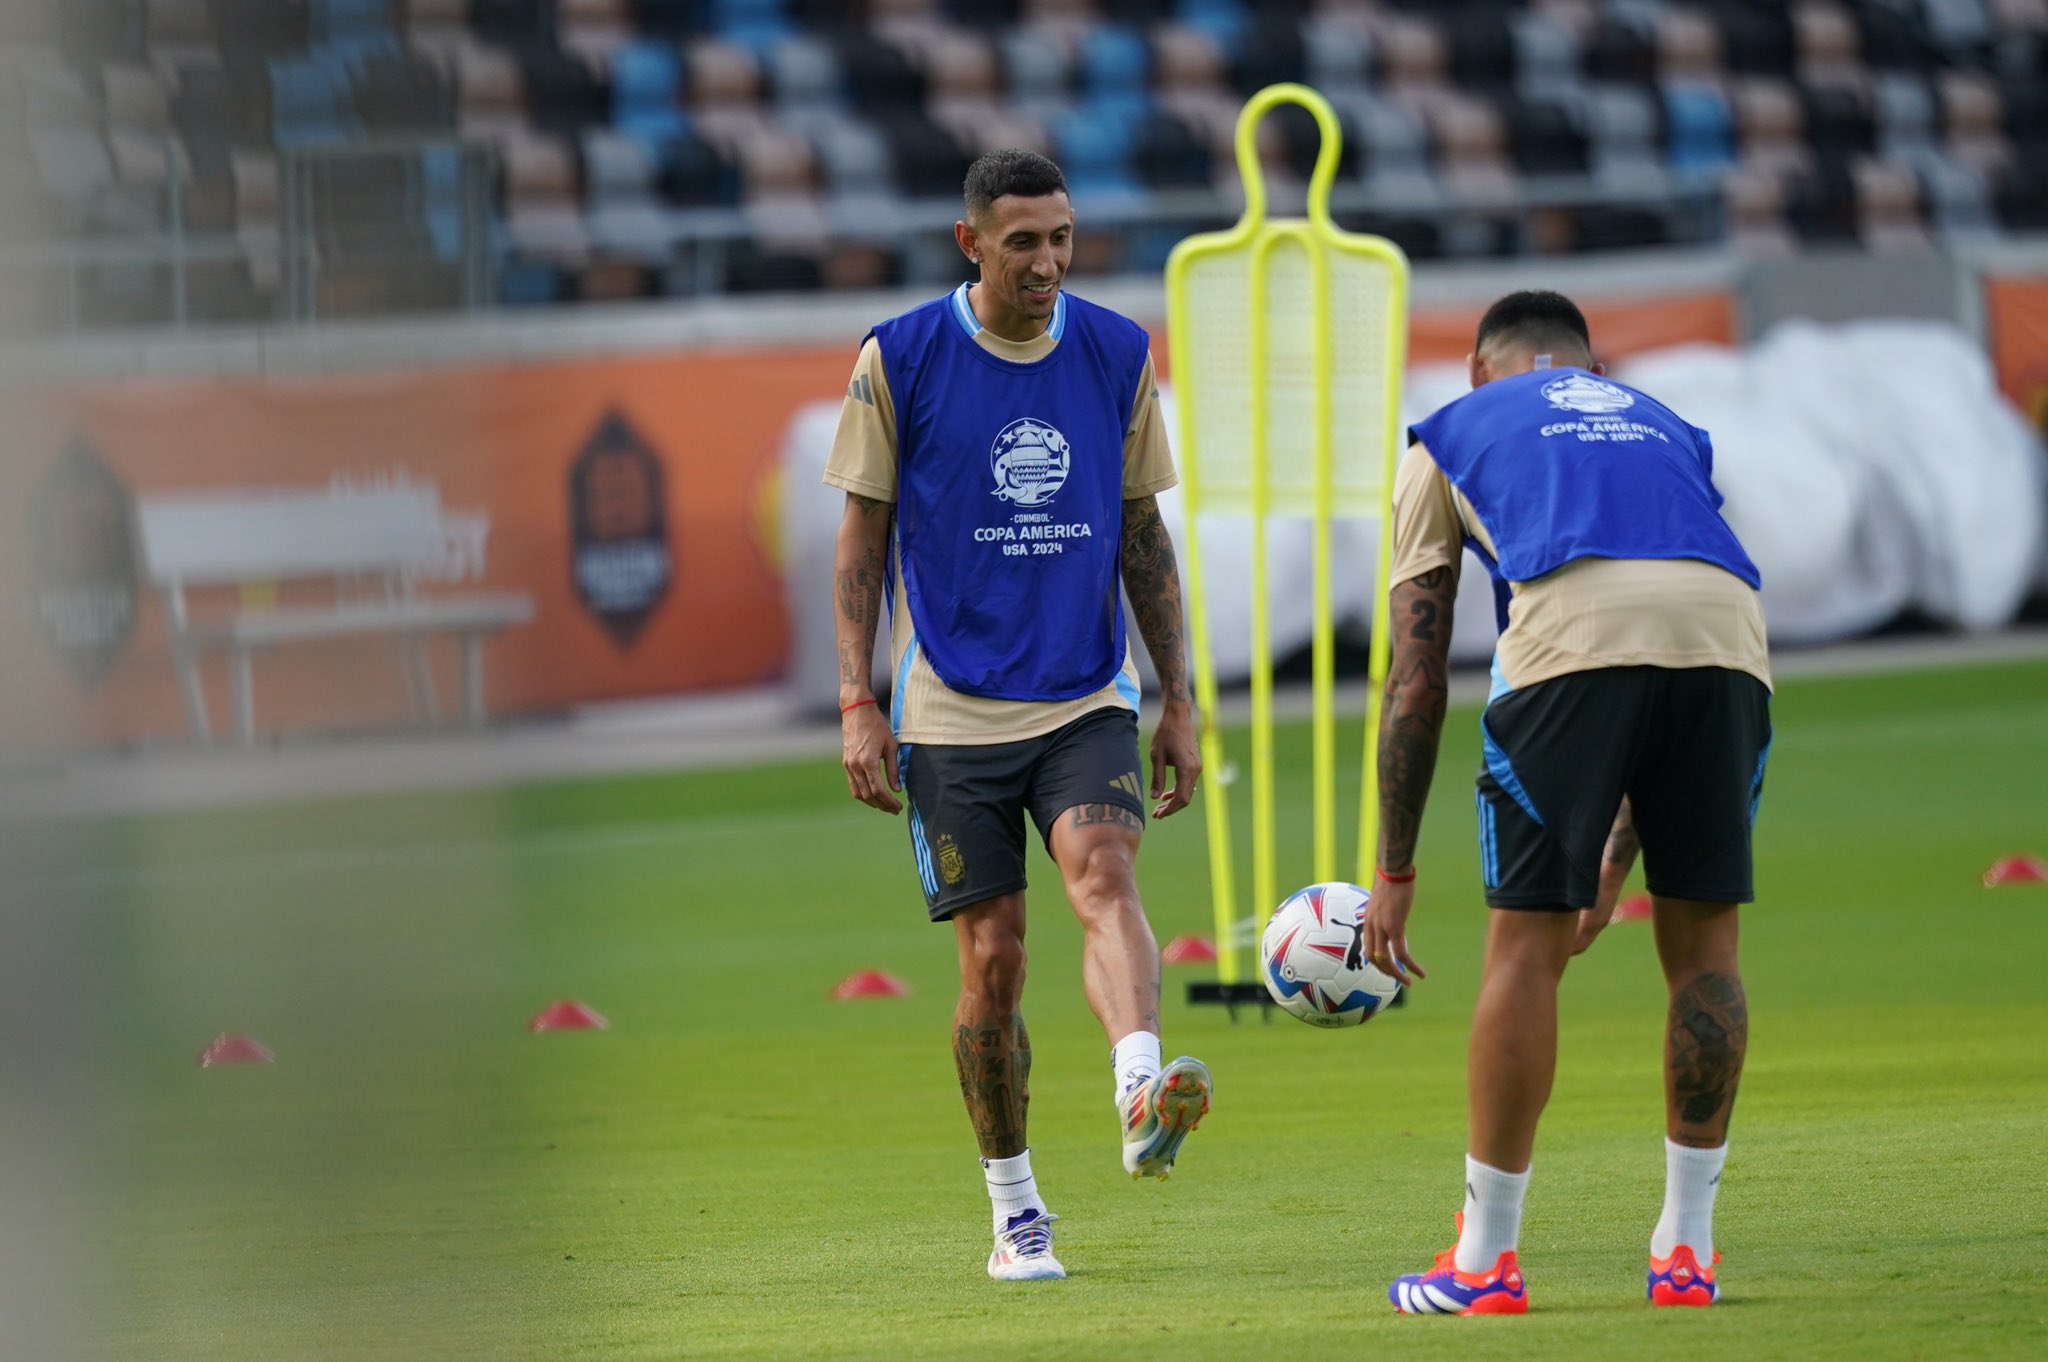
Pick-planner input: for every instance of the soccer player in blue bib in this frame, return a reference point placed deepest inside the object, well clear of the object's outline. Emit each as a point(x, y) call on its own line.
point(1001, 451)
point(1631, 676)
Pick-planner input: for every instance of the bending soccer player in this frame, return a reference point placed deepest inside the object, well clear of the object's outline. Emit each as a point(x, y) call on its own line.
point(1631, 666)
point(1001, 450)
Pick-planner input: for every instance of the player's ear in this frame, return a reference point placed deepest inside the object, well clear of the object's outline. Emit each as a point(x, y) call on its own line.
point(963, 233)
point(1597, 368)
point(1475, 369)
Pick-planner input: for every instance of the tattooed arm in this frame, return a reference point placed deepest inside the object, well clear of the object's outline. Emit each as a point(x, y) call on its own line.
point(859, 561)
point(1152, 581)
point(1412, 719)
point(1411, 725)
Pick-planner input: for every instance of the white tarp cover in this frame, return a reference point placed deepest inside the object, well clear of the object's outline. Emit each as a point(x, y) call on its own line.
point(1869, 469)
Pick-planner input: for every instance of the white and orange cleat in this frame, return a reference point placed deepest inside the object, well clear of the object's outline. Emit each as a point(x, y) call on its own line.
point(1159, 1114)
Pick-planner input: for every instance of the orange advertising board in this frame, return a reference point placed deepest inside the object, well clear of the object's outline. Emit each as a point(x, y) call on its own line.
point(503, 442)
point(2016, 314)
point(633, 499)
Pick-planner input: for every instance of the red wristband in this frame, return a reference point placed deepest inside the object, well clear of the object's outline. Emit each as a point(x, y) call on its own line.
point(1408, 878)
point(848, 709)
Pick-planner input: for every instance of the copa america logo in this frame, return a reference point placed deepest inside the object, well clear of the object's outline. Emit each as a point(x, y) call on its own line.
point(1583, 392)
point(1030, 460)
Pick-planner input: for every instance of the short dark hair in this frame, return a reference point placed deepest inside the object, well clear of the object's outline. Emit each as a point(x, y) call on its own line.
point(1009, 170)
point(1537, 318)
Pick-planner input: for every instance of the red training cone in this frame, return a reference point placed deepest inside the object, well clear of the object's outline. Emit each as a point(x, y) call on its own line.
point(232, 1047)
point(1189, 950)
point(1636, 909)
point(870, 983)
point(2016, 870)
point(568, 1015)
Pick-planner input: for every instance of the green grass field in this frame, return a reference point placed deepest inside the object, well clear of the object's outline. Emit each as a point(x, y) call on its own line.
point(740, 1168)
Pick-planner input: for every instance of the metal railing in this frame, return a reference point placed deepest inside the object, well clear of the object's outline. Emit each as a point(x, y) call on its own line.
point(354, 213)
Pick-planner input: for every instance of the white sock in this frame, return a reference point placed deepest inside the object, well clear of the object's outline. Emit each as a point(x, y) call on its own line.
point(1691, 1177)
point(1136, 1058)
point(1493, 1215)
point(1011, 1188)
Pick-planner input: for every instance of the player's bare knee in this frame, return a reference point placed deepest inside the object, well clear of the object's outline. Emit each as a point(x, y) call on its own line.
point(992, 966)
point(1695, 937)
point(1102, 881)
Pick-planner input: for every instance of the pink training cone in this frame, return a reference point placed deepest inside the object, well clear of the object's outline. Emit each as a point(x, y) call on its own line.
point(1635, 909)
point(2016, 870)
point(232, 1047)
point(1189, 950)
point(568, 1015)
point(870, 983)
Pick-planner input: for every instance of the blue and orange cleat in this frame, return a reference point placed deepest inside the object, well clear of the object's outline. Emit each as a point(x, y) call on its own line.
point(1444, 1290)
point(1680, 1280)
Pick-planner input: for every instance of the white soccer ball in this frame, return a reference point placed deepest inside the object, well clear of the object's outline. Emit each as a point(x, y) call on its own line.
point(1312, 961)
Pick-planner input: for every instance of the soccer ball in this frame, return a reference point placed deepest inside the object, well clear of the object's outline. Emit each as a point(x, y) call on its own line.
point(1312, 962)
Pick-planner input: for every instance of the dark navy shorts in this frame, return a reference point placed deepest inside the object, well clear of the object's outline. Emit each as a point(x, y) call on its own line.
point(1686, 745)
point(968, 803)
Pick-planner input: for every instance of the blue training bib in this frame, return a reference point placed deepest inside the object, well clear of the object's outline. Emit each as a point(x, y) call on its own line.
point(1009, 510)
point(1561, 464)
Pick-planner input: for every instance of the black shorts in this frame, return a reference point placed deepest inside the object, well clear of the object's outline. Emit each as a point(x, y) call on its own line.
point(1687, 746)
point(967, 803)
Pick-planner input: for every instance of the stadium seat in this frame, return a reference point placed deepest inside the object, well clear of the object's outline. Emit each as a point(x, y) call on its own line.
point(929, 162)
point(490, 93)
point(311, 102)
point(1482, 49)
point(593, 30)
point(1221, 20)
point(398, 92)
point(1470, 146)
point(1620, 52)
point(1339, 53)
point(1546, 138)
point(1688, 49)
point(1904, 110)
point(1757, 36)
point(804, 79)
point(693, 173)
point(348, 23)
point(675, 20)
point(1755, 207)
point(1973, 122)
point(1771, 125)
point(2020, 196)
point(514, 23)
point(879, 77)
point(854, 161)
point(1547, 57)
point(437, 26)
point(756, 25)
point(1892, 38)
point(1889, 210)
point(1829, 47)
point(1823, 205)
point(1168, 155)
point(1094, 150)
point(1266, 52)
point(1037, 75)
point(1839, 122)
point(563, 94)
point(647, 93)
point(1699, 128)
point(966, 98)
point(1190, 81)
